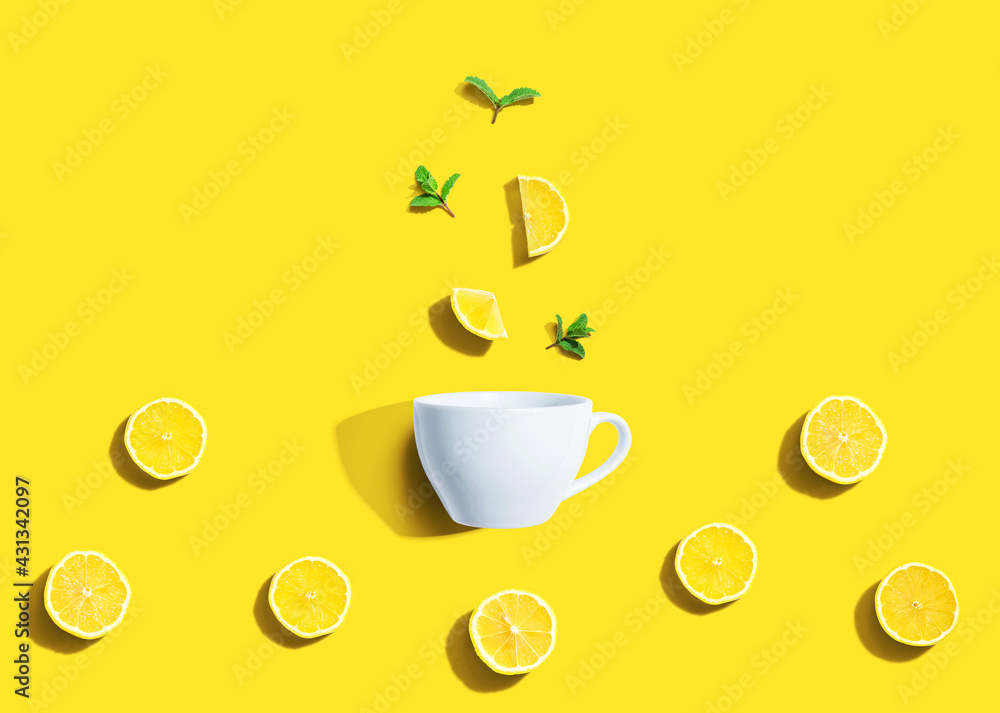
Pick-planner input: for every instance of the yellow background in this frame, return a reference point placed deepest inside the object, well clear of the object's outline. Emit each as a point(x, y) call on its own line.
point(329, 172)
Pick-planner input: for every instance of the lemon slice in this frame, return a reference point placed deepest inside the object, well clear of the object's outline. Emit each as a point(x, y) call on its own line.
point(513, 631)
point(310, 596)
point(916, 604)
point(478, 312)
point(842, 439)
point(546, 215)
point(86, 594)
point(716, 563)
point(166, 438)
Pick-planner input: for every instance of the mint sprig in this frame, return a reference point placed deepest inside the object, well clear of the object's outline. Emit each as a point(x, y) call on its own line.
point(429, 185)
point(504, 101)
point(570, 340)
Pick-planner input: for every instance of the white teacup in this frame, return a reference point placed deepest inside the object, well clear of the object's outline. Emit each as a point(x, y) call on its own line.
point(508, 458)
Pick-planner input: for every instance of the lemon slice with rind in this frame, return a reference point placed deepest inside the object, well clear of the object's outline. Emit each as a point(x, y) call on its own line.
point(916, 604)
point(842, 439)
point(716, 563)
point(513, 631)
point(86, 594)
point(310, 596)
point(166, 438)
point(546, 215)
point(478, 312)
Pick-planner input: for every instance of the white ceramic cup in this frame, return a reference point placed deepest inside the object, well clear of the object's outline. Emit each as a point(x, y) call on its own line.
point(508, 458)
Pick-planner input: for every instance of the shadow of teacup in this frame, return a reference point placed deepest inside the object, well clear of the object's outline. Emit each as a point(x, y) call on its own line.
point(379, 455)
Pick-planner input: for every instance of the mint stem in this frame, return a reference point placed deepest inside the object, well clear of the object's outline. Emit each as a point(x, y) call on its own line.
point(556, 342)
point(496, 110)
point(445, 205)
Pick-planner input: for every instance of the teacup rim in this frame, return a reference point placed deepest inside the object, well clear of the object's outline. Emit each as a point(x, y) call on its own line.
point(571, 400)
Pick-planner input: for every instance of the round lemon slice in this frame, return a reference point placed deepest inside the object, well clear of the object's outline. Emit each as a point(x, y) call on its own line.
point(916, 604)
point(86, 594)
point(166, 438)
point(546, 215)
point(513, 631)
point(716, 563)
point(842, 439)
point(478, 312)
point(310, 596)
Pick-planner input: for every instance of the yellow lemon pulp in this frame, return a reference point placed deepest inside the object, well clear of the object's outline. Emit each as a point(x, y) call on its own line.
point(716, 563)
point(86, 594)
point(545, 213)
point(916, 604)
point(310, 596)
point(166, 438)
point(842, 439)
point(478, 312)
point(513, 631)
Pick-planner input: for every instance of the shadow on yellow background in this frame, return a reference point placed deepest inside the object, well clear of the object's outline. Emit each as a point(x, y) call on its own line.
point(380, 458)
point(44, 632)
point(466, 664)
point(518, 238)
point(451, 332)
point(126, 467)
point(871, 634)
point(796, 471)
point(271, 627)
point(677, 594)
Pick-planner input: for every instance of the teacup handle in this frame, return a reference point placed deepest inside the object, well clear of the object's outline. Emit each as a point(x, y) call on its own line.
point(616, 457)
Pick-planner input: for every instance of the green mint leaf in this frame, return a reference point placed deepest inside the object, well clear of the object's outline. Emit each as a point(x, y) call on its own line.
point(425, 200)
point(580, 325)
point(559, 330)
point(448, 185)
point(571, 345)
point(517, 95)
point(430, 185)
point(422, 174)
point(484, 88)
